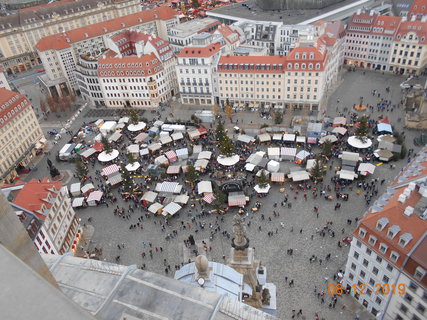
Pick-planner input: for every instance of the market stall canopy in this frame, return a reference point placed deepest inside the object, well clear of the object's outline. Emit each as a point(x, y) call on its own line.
point(310, 164)
point(277, 137)
point(144, 152)
point(299, 175)
point(133, 148)
point(110, 170)
point(302, 154)
point(277, 177)
point(312, 140)
point(141, 137)
point(201, 164)
point(98, 146)
point(95, 196)
point(228, 161)
point(168, 187)
point(347, 175)
point(161, 160)
point(289, 137)
point(330, 138)
point(384, 127)
point(357, 143)
point(124, 120)
point(314, 129)
point(236, 199)
point(171, 209)
point(155, 207)
point(267, 173)
point(153, 130)
point(249, 167)
point(339, 121)
point(182, 198)
point(288, 153)
point(349, 158)
point(204, 155)
point(264, 137)
point(158, 123)
point(245, 138)
point(197, 149)
point(78, 202)
point(115, 179)
point(204, 186)
point(260, 189)
point(133, 166)
point(87, 188)
point(194, 134)
point(173, 169)
point(165, 139)
point(120, 126)
point(149, 196)
point(366, 167)
point(171, 155)
point(383, 155)
point(386, 138)
point(154, 146)
point(115, 136)
point(182, 154)
point(137, 127)
point(75, 189)
point(273, 153)
point(177, 136)
point(88, 152)
point(106, 157)
point(340, 130)
point(301, 139)
point(209, 197)
point(255, 158)
point(273, 166)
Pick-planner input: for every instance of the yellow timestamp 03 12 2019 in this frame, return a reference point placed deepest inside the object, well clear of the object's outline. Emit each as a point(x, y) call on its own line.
point(361, 288)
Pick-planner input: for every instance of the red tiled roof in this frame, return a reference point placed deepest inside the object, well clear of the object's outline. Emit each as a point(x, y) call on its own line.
point(59, 41)
point(130, 66)
point(34, 194)
point(11, 104)
point(240, 62)
point(45, 5)
point(386, 25)
point(419, 163)
point(200, 52)
point(362, 20)
point(213, 24)
point(420, 28)
point(393, 211)
point(227, 33)
point(317, 56)
point(419, 7)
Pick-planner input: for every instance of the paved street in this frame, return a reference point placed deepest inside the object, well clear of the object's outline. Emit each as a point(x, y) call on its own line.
point(111, 230)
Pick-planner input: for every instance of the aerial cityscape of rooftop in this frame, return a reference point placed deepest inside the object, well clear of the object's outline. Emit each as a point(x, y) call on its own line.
point(213, 159)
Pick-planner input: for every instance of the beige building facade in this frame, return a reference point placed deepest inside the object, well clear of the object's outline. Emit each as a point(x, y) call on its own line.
point(20, 133)
point(20, 32)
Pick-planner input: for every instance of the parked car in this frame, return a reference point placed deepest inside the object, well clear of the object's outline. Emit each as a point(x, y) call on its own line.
point(53, 132)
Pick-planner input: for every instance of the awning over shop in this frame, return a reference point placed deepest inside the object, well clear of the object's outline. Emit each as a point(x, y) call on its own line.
point(110, 170)
point(149, 196)
point(277, 177)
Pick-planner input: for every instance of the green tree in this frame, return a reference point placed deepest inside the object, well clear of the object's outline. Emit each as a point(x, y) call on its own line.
point(327, 148)
point(106, 145)
point(317, 170)
point(226, 146)
point(195, 4)
point(133, 116)
point(131, 158)
point(363, 128)
point(262, 180)
point(403, 152)
point(128, 184)
point(228, 109)
point(81, 169)
point(191, 175)
point(220, 198)
point(278, 117)
point(220, 131)
point(399, 138)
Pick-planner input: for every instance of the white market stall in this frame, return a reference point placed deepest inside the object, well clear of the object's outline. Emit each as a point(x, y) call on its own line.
point(273, 166)
point(277, 137)
point(161, 160)
point(349, 158)
point(133, 148)
point(171, 155)
point(107, 157)
point(329, 138)
point(149, 196)
point(75, 189)
point(277, 177)
point(107, 127)
point(366, 168)
point(144, 152)
point(265, 137)
point(310, 164)
point(228, 161)
point(87, 188)
point(249, 167)
point(115, 179)
point(340, 130)
point(288, 153)
point(94, 198)
point(346, 175)
point(245, 138)
point(78, 202)
point(302, 155)
point(300, 175)
point(177, 136)
point(115, 136)
point(204, 187)
point(182, 154)
point(204, 155)
point(168, 187)
point(124, 120)
point(273, 153)
point(359, 142)
point(236, 199)
point(165, 139)
point(137, 127)
point(339, 121)
point(155, 208)
point(173, 169)
point(289, 137)
point(141, 137)
point(301, 139)
point(264, 189)
point(383, 155)
point(171, 208)
point(154, 147)
point(110, 170)
point(133, 166)
point(201, 164)
point(194, 134)
point(88, 153)
point(182, 198)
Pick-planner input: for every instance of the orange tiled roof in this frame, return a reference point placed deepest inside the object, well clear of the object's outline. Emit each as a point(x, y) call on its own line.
point(227, 32)
point(420, 28)
point(11, 104)
point(386, 25)
point(270, 64)
point(419, 7)
point(414, 170)
point(64, 40)
point(130, 66)
point(200, 52)
point(34, 194)
point(393, 211)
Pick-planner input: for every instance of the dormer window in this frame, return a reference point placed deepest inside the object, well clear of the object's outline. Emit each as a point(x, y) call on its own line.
point(362, 232)
point(392, 231)
point(381, 223)
point(296, 55)
point(405, 238)
point(419, 273)
point(372, 240)
point(383, 247)
point(394, 256)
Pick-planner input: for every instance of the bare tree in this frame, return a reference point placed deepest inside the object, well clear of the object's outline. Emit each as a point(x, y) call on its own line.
point(51, 103)
point(43, 106)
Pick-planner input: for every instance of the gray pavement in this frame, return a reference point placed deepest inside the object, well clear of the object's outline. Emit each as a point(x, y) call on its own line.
point(111, 230)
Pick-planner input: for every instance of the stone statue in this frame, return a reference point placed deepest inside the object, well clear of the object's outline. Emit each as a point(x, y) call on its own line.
point(49, 163)
point(53, 171)
point(266, 296)
point(239, 231)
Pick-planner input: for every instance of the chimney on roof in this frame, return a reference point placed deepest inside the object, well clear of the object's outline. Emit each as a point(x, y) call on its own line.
point(359, 11)
point(371, 13)
point(414, 17)
point(404, 19)
point(402, 198)
point(424, 18)
point(423, 191)
point(408, 211)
